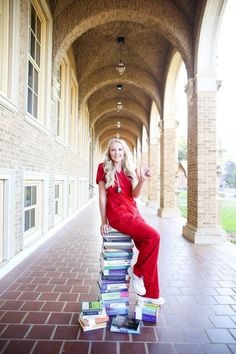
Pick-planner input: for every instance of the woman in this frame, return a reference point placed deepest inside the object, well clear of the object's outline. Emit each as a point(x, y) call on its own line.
point(119, 184)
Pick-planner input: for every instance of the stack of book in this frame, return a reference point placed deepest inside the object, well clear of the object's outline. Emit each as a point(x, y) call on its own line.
point(113, 282)
point(93, 316)
point(146, 311)
point(123, 324)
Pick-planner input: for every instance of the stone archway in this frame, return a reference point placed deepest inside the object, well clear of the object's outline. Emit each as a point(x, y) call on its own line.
point(168, 162)
point(202, 223)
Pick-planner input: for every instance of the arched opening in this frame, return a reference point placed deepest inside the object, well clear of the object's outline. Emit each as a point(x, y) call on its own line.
point(225, 121)
point(154, 157)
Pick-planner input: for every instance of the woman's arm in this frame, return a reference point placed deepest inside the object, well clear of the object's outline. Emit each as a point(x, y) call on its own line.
point(102, 207)
point(142, 176)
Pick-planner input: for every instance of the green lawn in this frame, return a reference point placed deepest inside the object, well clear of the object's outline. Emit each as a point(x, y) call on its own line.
point(228, 216)
point(228, 212)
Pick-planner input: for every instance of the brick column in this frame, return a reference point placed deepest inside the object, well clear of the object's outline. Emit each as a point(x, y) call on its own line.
point(145, 163)
point(154, 182)
point(168, 198)
point(201, 224)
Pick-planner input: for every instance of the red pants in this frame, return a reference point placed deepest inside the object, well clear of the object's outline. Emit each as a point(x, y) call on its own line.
point(147, 241)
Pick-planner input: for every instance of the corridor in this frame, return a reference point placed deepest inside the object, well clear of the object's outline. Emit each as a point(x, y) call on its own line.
point(40, 299)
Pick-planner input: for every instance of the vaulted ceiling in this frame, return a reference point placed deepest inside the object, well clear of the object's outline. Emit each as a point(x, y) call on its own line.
point(152, 29)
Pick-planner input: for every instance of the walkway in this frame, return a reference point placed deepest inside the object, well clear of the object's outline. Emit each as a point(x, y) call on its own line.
point(40, 299)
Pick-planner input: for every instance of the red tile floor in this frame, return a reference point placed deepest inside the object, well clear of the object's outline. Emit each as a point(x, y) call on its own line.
point(40, 299)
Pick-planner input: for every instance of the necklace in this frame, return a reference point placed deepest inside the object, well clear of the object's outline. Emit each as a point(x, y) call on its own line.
point(118, 189)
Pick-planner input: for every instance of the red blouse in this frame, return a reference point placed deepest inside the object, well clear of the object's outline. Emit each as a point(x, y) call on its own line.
point(118, 203)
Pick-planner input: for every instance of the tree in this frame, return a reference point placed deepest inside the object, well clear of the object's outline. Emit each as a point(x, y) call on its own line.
point(230, 174)
point(182, 149)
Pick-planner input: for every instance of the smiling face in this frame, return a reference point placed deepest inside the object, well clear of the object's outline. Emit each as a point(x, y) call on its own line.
point(117, 153)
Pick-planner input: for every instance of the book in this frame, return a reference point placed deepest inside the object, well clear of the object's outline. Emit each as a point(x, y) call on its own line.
point(112, 301)
point(91, 308)
point(112, 231)
point(90, 321)
point(104, 280)
point(118, 244)
point(115, 295)
point(113, 251)
point(92, 327)
point(115, 264)
point(115, 308)
point(93, 320)
point(125, 324)
point(108, 288)
point(115, 272)
point(116, 238)
point(146, 312)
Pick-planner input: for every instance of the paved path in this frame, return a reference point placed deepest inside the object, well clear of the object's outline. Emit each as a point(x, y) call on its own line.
point(40, 299)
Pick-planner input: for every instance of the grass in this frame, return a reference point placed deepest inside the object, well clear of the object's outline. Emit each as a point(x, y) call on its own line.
point(228, 216)
point(228, 212)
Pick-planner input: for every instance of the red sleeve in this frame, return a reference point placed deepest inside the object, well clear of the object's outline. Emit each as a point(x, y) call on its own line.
point(100, 173)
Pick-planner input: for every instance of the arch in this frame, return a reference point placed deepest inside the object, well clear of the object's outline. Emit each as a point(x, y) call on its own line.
point(134, 76)
point(205, 60)
point(125, 124)
point(169, 96)
point(161, 16)
point(133, 108)
point(127, 136)
point(154, 122)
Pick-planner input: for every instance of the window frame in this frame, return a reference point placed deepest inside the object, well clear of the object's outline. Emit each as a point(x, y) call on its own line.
point(42, 121)
point(9, 192)
point(71, 197)
point(31, 233)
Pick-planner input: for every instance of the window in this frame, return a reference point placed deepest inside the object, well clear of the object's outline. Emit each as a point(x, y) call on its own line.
point(35, 28)
point(61, 112)
point(71, 197)
point(58, 196)
point(83, 193)
point(59, 107)
point(4, 44)
point(73, 113)
point(32, 209)
point(30, 206)
point(39, 65)
point(1, 220)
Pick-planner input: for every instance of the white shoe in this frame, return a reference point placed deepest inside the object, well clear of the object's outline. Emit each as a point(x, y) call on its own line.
point(138, 283)
point(149, 300)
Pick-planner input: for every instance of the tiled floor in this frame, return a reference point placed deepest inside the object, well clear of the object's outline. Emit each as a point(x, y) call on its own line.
point(40, 299)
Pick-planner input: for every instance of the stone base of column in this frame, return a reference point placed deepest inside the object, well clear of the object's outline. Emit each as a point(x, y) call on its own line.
point(204, 235)
point(169, 212)
point(152, 203)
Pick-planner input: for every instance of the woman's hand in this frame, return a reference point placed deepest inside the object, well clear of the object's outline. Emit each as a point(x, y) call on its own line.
point(104, 228)
point(143, 173)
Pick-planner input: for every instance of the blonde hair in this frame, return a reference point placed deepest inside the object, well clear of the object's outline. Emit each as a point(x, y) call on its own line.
point(127, 163)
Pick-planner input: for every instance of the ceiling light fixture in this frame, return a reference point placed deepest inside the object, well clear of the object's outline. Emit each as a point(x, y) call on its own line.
point(118, 124)
point(119, 87)
point(120, 67)
point(118, 136)
point(119, 106)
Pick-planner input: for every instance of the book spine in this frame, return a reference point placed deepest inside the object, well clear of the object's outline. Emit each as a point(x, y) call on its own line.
point(113, 286)
point(113, 301)
point(115, 295)
point(116, 262)
point(118, 311)
point(124, 330)
point(114, 272)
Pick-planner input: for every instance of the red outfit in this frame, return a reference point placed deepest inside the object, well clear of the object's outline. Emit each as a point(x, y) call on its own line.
point(123, 215)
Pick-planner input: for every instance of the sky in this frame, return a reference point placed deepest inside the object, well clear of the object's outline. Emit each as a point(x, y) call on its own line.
point(226, 71)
